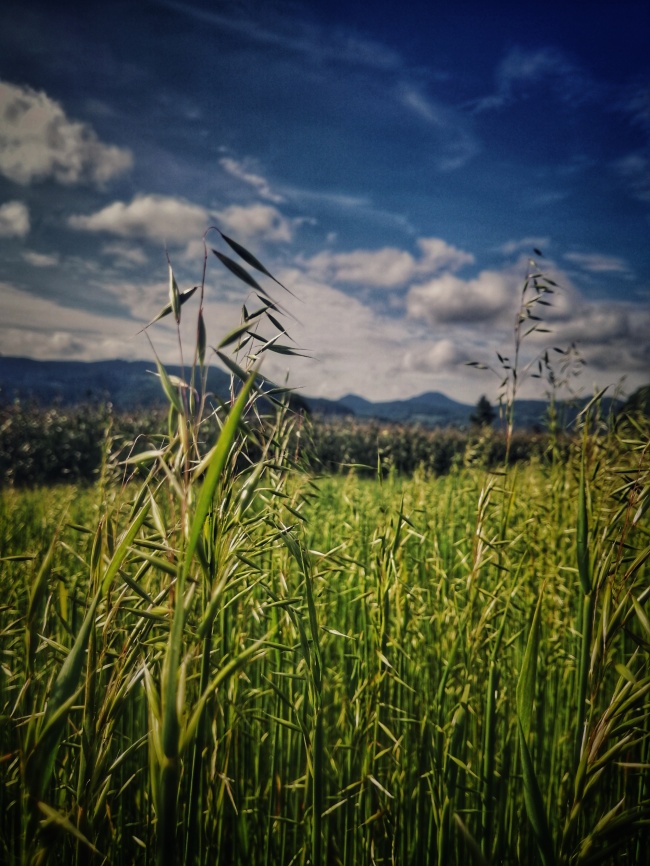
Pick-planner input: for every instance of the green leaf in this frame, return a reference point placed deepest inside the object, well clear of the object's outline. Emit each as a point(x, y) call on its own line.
point(250, 259)
point(233, 366)
point(166, 310)
point(239, 272)
point(174, 296)
point(233, 335)
point(528, 673)
point(170, 391)
point(282, 350)
point(53, 816)
point(214, 468)
point(534, 802)
point(201, 339)
point(582, 541)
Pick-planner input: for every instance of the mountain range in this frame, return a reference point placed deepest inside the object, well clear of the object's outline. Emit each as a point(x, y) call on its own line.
point(130, 385)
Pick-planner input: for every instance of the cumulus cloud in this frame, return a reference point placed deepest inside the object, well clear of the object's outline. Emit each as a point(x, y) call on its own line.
point(149, 217)
point(38, 141)
point(256, 221)
point(443, 355)
point(14, 219)
point(177, 222)
point(388, 267)
point(448, 298)
point(239, 170)
point(353, 347)
point(475, 317)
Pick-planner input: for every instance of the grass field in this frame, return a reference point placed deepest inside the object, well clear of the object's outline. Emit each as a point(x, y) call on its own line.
point(421, 670)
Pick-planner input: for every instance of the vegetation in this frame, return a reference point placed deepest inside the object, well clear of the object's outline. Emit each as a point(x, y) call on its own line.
point(67, 444)
point(484, 414)
point(213, 656)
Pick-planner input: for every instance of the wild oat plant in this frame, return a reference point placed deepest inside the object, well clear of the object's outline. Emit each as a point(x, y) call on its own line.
point(215, 658)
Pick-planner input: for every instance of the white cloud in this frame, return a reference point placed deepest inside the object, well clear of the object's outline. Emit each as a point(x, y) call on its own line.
point(473, 319)
point(442, 355)
point(388, 267)
point(354, 348)
point(598, 264)
point(41, 260)
point(14, 220)
point(256, 220)
point(438, 255)
point(43, 328)
point(151, 217)
point(38, 141)
point(382, 268)
point(450, 299)
point(125, 254)
point(241, 172)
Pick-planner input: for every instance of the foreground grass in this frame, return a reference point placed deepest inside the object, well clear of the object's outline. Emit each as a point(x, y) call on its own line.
point(422, 670)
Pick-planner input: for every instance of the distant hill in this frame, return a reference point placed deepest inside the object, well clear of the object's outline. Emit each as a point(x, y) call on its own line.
point(431, 408)
point(126, 384)
point(133, 384)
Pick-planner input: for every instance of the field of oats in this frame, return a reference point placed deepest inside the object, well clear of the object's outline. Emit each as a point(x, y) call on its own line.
point(250, 665)
point(213, 656)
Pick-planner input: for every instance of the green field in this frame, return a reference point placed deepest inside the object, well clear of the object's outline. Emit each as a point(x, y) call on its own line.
point(343, 670)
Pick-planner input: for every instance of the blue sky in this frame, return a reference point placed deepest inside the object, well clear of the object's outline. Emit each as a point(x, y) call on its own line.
point(393, 164)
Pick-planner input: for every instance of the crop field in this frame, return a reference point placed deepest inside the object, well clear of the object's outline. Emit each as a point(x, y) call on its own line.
point(213, 656)
point(421, 670)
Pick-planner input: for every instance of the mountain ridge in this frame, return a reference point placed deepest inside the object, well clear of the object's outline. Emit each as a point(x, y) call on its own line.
point(131, 385)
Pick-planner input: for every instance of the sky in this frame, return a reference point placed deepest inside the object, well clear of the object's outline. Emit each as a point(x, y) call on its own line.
point(394, 165)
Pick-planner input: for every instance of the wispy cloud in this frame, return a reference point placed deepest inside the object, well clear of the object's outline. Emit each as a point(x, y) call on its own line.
point(634, 169)
point(637, 106)
point(295, 34)
point(597, 263)
point(526, 245)
point(126, 255)
point(457, 145)
point(522, 70)
point(14, 219)
point(242, 172)
point(39, 141)
point(41, 260)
